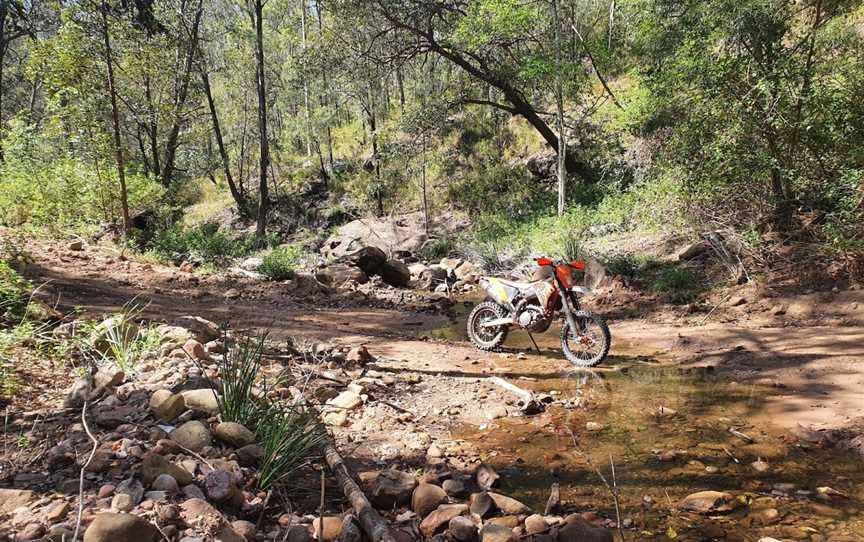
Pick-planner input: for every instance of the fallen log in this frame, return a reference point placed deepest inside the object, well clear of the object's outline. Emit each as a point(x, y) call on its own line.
point(371, 522)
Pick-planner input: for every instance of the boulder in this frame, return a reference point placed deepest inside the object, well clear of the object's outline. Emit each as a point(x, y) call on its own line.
point(368, 259)
point(337, 274)
point(174, 334)
point(251, 263)
point(462, 529)
point(576, 529)
point(234, 434)
point(192, 435)
point(166, 405)
point(203, 330)
point(391, 488)
point(327, 531)
point(250, 455)
point(395, 273)
point(440, 518)
point(467, 272)
point(455, 487)
point(110, 527)
point(543, 164)
point(426, 498)
point(497, 533)
point(359, 355)
point(389, 234)
point(154, 465)
point(108, 377)
point(708, 502)
point(196, 350)
point(481, 504)
point(692, 251)
point(535, 523)
point(203, 400)
point(430, 277)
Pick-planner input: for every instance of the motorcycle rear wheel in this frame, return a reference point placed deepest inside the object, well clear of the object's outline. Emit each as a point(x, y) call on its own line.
point(489, 338)
point(590, 347)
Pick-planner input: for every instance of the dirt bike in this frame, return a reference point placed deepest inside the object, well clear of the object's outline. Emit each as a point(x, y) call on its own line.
point(532, 306)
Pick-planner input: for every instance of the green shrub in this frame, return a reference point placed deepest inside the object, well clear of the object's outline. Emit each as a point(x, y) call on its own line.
point(631, 266)
point(280, 263)
point(291, 438)
point(14, 293)
point(676, 284)
point(204, 243)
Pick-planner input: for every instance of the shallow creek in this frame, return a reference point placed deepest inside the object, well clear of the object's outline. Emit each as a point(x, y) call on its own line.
point(667, 431)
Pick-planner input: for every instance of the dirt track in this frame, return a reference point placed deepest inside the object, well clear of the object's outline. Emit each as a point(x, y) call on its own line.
point(811, 375)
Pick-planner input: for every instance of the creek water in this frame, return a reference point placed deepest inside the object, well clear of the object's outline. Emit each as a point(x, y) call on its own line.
point(667, 431)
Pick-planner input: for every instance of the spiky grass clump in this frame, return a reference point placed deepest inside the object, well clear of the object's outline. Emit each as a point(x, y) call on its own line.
point(291, 438)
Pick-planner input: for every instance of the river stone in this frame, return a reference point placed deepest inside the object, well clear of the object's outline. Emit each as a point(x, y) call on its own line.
point(167, 405)
point(347, 400)
point(203, 330)
point(508, 505)
point(166, 483)
point(131, 487)
point(395, 273)
point(481, 504)
point(203, 400)
point(246, 529)
point(198, 512)
point(196, 350)
point(250, 455)
point(486, 476)
point(192, 435)
point(438, 519)
point(110, 527)
point(535, 523)
point(332, 526)
point(391, 488)
point(426, 498)
point(462, 529)
point(708, 502)
point(234, 434)
point(154, 465)
point(497, 533)
point(576, 529)
point(455, 487)
point(219, 485)
point(122, 502)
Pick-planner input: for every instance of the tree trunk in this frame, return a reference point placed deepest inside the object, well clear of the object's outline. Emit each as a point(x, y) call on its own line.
point(306, 114)
point(239, 197)
point(4, 10)
point(180, 102)
point(559, 103)
point(115, 118)
point(264, 146)
point(152, 126)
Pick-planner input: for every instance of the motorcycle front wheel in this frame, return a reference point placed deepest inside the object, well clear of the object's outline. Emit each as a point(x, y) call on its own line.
point(486, 338)
point(590, 346)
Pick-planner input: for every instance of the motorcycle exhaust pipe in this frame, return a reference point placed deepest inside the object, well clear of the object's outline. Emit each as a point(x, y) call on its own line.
point(498, 322)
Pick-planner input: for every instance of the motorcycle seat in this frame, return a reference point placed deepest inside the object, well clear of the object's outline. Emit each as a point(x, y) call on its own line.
point(521, 286)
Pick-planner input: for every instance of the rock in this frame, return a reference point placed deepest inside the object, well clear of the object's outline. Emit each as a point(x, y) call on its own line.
point(368, 259)
point(109, 527)
point(33, 531)
point(234, 434)
point(59, 534)
point(386, 234)
point(174, 334)
point(466, 272)
point(80, 391)
point(767, 516)
point(440, 517)
point(577, 529)
point(154, 465)
point(231, 293)
point(455, 487)
point(76, 245)
point(297, 533)
point(332, 526)
point(486, 476)
point(219, 486)
point(350, 531)
point(542, 165)
point(481, 504)
point(192, 491)
point(391, 488)
point(508, 505)
point(691, 251)
point(250, 455)
point(246, 529)
point(347, 400)
point(535, 523)
point(57, 512)
point(430, 277)
point(105, 491)
point(192, 435)
point(166, 483)
point(132, 488)
point(108, 377)
point(251, 263)
point(337, 274)
point(395, 273)
point(462, 529)
point(166, 405)
point(450, 264)
point(593, 426)
point(203, 400)
point(497, 533)
point(426, 498)
point(196, 350)
point(10, 499)
point(203, 330)
point(199, 512)
point(760, 466)
point(737, 301)
point(122, 503)
point(359, 355)
point(708, 502)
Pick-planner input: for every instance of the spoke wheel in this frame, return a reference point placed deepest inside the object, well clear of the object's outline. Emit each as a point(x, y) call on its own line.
point(486, 338)
point(588, 347)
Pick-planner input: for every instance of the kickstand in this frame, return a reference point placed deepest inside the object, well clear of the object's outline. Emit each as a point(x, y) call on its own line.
point(535, 343)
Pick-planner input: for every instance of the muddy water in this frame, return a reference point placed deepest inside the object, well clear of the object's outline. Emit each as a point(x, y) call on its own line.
point(667, 431)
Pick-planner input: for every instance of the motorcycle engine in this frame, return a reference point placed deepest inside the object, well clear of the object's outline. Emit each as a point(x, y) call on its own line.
point(531, 318)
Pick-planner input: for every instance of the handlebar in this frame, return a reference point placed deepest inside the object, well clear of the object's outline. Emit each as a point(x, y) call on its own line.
point(549, 262)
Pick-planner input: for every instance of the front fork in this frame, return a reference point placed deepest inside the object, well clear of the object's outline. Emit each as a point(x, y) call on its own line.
point(569, 312)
